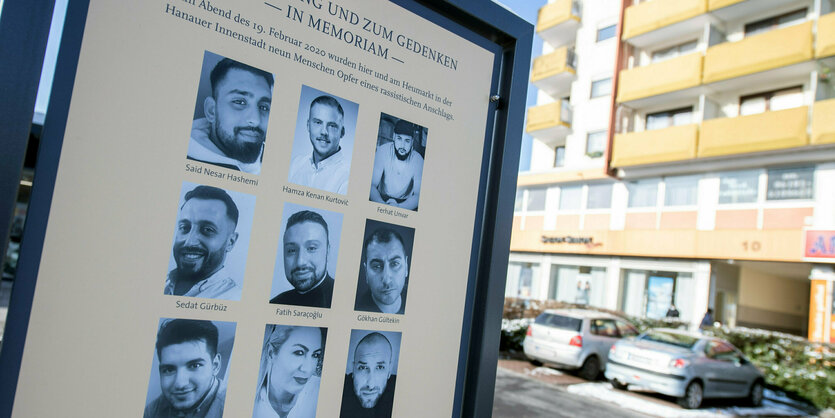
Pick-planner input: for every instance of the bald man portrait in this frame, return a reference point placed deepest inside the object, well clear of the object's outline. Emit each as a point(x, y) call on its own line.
point(368, 391)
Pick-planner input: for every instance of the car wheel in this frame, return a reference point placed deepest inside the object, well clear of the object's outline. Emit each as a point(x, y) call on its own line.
point(693, 396)
point(535, 362)
point(755, 397)
point(590, 368)
point(618, 385)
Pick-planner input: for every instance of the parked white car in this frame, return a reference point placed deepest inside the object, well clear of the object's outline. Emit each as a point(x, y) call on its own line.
point(575, 339)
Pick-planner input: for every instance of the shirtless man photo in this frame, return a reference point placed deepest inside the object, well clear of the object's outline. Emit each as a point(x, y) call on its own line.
point(398, 166)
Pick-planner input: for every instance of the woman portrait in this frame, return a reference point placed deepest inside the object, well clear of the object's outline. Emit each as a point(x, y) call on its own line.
point(291, 369)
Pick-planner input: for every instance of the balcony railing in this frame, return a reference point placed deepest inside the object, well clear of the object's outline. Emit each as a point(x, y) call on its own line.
point(556, 13)
point(718, 4)
point(651, 15)
point(554, 72)
point(656, 146)
point(675, 74)
point(823, 122)
point(777, 48)
point(549, 122)
point(754, 133)
point(825, 45)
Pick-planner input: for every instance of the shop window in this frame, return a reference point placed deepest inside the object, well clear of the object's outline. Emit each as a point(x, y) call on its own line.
point(605, 33)
point(599, 197)
point(791, 183)
point(642, 194)
point(602, 87)
point(775, 22)
point(650, 294)
point(520, 278)
point(595, 144)
point(668, 118)
point(570, 198)
point(771, 100)
point(739, 187)
point(559, 156)
point(681, 191)
point(577, 284)
point(536, 200)
point(674, 51)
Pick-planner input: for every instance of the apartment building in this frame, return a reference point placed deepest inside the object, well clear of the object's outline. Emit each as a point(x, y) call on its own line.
point(684, 153)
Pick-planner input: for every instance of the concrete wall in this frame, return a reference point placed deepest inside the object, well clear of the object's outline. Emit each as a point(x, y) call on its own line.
point(772, 302)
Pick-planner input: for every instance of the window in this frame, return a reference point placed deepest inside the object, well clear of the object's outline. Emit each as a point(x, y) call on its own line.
point(559, 321)
point(570, 197)
point(722, 351)
point(791, 183)
point(625, 329)
point(674, 51)
point(605, 33)
point(559, 156)
point(601, 87)
point(668, 118)
point(600, 196)
point(536, 199)
point(642, 194)
point(595, 144)
point(604, 328)
point(739, 187)
point(775, 22)
point(582, 285)
point(681, 191)
point(517, 206)
point(771, 100)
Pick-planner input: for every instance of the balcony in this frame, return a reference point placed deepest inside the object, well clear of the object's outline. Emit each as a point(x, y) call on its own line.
point(553, 73)
point(675, 74)
point(826, 36)
point(718, 4)
point(778, 48)
point(549, 123)
point(823, 122)
point(558, 22)
point(657, 146)
point(754, 133)
point(651, 15)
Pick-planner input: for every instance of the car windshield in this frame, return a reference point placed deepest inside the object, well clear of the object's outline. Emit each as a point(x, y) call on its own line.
point(678, 340)
point(559, 321)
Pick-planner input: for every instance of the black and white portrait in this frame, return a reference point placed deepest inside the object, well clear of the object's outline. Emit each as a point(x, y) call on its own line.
point(211, 239)
point(190, 368)
point(290, 372)
point(323, 142)
point(398, 163)
point(371, 374)
point(231, 114)
point(384, 269)
point(306, 260)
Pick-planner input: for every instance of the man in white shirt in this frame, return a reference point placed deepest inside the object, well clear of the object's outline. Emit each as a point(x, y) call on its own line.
point(327, 167)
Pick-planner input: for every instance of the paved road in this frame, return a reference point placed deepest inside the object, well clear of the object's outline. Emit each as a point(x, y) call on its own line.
point(519, 396)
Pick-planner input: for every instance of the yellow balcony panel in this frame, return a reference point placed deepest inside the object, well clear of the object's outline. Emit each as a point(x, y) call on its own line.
point(651, 15)
point(560, 176)
point(826, 36)
point(558, 22)
point(774, 49)
point(718, 4)
point(549, 122)
point(676, 143)
point(554, 72)
point(754, 133)
point(663, 77)
point(823, 122)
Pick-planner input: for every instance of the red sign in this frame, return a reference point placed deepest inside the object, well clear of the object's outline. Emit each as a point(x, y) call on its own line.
point(820, 244)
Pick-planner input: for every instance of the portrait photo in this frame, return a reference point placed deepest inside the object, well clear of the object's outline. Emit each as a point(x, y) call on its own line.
point(398, 163)
point(371, 374)
point(290, 371)
point(384, 268)
point(323, 142)
point(190, 368)
point(306, 260)
point(211, 241)
point(229, 127)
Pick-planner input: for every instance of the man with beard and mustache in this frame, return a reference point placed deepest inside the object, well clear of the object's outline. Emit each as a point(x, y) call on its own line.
point(398, 169)
point(205, 234)
point(236, 113)
point(327, 167)
point(306, 248)
point(369, 390)
point(386, 267)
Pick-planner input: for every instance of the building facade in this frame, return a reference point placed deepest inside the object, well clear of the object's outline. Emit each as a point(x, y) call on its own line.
point(684, 154)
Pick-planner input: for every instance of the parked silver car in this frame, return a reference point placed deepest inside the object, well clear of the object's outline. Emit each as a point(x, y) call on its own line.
point(575, 339)
point(689, 366)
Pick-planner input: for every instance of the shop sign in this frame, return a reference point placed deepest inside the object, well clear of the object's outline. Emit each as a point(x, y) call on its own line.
point(820, 244)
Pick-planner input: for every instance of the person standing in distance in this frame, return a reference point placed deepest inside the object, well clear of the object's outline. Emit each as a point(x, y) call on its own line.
point(204, 235)
point(188, 367)
point(386, 268)
point(306, 249)
point(233, 131)
point(369, 390)
point(327, 168)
